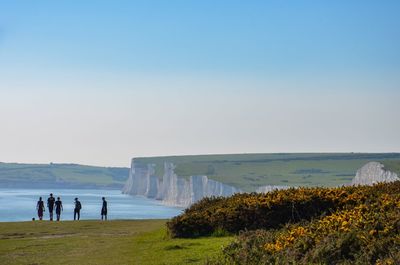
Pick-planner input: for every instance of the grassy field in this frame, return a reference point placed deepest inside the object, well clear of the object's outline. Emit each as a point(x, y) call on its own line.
point(248, 171)
point(95, 242)
point(392, 165)
point(62, 175)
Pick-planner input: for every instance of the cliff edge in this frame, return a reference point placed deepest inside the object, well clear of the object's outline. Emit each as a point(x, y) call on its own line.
point(172, 189)
point(373, 172)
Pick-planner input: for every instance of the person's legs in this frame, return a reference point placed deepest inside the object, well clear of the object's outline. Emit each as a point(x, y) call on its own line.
point(79, 214)
point(75, 214)
point(103, 214)
point(51, 214)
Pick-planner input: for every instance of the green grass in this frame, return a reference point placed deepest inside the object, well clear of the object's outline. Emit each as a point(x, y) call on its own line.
point(248, 171)
point(96, 242)
point(392, 165)
point(63, 175)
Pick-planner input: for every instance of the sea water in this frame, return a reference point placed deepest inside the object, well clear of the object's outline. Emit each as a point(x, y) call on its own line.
point(20, 205)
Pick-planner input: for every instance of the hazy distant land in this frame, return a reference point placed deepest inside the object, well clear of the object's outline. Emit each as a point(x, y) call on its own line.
point(15, 175)
point(244, 171)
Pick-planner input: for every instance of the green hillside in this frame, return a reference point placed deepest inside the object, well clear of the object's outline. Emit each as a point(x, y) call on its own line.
point(61, 175)
point(392, 165)
point(248, 171)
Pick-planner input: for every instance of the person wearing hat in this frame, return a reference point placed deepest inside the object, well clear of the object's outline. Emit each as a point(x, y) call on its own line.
point(77, 210)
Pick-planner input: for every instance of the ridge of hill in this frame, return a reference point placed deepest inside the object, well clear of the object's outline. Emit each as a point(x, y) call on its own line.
point(16, 175)
point(250, 171)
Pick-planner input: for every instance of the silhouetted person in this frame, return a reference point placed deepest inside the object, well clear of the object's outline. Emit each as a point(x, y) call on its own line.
point(50, 205)
point(40, 208)
point(59, 208)
point(104, 209)
point(77, 210)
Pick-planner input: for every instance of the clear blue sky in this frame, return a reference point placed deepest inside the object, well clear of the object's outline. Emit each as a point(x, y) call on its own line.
point(98, 82)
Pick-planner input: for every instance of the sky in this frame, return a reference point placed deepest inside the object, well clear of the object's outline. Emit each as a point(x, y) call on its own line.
point(101, 82)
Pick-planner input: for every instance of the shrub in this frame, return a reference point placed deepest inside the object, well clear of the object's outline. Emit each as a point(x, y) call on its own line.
point(272, 210)
point(367, 234)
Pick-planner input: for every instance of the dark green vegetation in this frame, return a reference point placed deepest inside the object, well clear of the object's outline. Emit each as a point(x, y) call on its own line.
point(95, 242)
point(346, 225)
point(248, 171)
point(61, 175)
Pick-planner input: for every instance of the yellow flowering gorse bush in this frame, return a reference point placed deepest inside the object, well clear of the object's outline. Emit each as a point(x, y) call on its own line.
point(363, 227)
point(271, 210)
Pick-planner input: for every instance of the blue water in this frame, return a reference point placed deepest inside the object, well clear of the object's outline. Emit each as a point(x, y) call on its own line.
point(20, 205)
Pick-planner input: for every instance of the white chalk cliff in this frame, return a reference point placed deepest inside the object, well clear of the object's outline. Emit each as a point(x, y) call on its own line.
point(373, 172)
point(171, 189)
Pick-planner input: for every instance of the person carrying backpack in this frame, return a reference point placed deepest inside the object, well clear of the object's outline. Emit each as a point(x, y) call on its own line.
point(77, 210)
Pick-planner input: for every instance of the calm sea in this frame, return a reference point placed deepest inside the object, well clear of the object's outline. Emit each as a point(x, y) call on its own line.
point(20, 205)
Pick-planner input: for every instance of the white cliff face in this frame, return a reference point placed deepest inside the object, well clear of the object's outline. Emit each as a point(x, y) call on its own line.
point(202, 186)
point(270, 188)
point(141, 181)
point(373, 172)
point(173, 190)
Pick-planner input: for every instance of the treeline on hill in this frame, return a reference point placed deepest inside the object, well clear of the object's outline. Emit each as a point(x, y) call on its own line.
point(301, 226)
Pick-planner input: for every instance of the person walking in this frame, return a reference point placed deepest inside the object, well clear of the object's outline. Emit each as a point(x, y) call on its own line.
point(104, 209)
point(77, 210)
point(40, 208)
point(50, 205)
point(59, 208)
